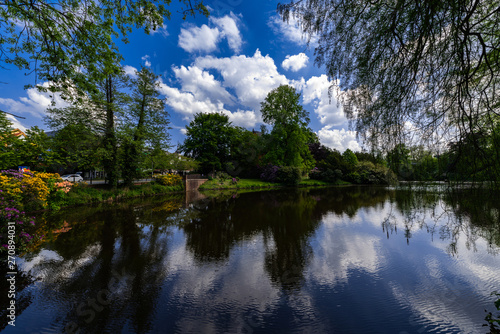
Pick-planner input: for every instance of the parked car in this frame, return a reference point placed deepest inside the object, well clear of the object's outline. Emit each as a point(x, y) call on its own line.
point(72, 178)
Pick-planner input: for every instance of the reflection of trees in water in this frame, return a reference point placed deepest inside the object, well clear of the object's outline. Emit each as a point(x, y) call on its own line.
point(348, 200)
point(285, 219)
point(115, 267)
point(450, 214)
point(122, 247)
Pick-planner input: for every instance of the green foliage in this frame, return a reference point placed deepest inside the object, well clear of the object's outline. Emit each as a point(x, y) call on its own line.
point(64, 41)
point(494, 322)
point(370, 173)
point(75, 148)
point(406, 70)
point(289, 137)
point(222, 176)
point(328, 175)
point(350, 159)
point(289, 175)
point(247, 149)
point(146, 123)
point(8, 142)
point(208, 140)
point(398, 159)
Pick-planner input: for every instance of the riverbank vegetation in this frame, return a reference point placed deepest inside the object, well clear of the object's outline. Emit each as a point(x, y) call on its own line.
point(22, 193)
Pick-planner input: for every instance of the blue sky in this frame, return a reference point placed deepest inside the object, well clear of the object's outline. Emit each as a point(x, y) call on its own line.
point(226, 63)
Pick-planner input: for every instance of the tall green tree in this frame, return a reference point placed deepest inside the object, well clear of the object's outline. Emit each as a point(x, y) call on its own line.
point(290, 134)
point(208, 141)
point(432, 64)
point(34, 150)
point(99, 110)
point(398, 160)
point(147, 123)
point(75, 147)
point(8, 157)
point(62, 41)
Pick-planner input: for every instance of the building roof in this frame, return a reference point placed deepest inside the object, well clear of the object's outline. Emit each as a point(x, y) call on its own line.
point(18, 133)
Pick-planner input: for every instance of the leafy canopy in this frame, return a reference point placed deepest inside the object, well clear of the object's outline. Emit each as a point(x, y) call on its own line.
point(290, 135)
point(62, 41)
point(432, 64)
point(208, 141)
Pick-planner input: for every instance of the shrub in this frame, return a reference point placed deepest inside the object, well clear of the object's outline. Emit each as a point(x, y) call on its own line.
point(328, 175)
point(222, 176)
point(289, 175)
point(17, 230)
point(28, 190)
point(269, 173)
point(370, 173)
point(169, 179)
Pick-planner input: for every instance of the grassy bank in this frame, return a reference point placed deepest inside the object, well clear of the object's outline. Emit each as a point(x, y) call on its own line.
point(84, 194)
point(216, 184)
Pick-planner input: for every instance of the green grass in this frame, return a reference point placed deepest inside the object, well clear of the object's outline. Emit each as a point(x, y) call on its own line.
point(242, 184)
point(84, 194)
point(313, 183)
point(256, 184)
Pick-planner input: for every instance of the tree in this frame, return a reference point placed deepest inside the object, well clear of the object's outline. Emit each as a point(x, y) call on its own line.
point(62, 41)
point(99, 110)
point(34, 150)
point(8, 157)
point(147, 123)
point(433, 65)
point(208, 141)
point(75, 148)
point(290, 135)
point(247, 149)
point(398, 159)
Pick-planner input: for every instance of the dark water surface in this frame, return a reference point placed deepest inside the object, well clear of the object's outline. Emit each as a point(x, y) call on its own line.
point(335, 260)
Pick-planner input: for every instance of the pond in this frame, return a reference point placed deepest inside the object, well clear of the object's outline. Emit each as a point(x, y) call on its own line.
point(331, 260)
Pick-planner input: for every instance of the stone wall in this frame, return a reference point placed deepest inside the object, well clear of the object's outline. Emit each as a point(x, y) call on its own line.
point(193, 184)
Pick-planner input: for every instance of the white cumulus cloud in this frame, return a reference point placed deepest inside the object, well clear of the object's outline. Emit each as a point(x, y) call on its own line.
point(130, 71)
point(229, 29)
point(291, 30)
point(201, 38)
point(34, 104)
point(340, 140)
point(315, 92)
point(205, 38)
point(202, 84)
point(252, 78)
point(146, 61)
point(296, 62)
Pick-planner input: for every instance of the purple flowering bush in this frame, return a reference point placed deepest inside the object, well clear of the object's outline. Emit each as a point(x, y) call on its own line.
point(269, 173)
point(22, 232)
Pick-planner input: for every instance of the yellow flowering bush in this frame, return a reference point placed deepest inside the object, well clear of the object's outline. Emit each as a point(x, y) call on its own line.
point(35, 191)
point(169, 179)
point(30, 190)
point(10, 188)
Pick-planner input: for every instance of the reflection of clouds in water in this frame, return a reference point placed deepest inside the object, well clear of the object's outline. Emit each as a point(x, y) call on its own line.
point(438, 291)
point(39, 266)
point(238, 295)
point(477, 267)
point(438, 299)
point(450, 293)
point(236, 287)
point(340, 250)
